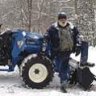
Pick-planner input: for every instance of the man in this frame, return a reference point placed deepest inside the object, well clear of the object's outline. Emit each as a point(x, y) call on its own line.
point(65, 39)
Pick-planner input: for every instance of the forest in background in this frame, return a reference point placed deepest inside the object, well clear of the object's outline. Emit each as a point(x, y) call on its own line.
point(37, 15)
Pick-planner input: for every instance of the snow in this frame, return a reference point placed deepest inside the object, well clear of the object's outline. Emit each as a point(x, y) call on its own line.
point(11, 83)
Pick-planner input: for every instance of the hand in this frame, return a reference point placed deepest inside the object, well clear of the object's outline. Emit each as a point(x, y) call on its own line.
point(77, 50)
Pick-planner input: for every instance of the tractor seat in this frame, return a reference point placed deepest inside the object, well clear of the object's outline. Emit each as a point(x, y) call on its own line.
point(8, 31)
point(5, 41)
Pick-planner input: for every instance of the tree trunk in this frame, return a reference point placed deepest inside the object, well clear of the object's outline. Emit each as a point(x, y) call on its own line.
point(30, 14)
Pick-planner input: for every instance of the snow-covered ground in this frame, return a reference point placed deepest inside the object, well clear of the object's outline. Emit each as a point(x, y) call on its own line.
point(12, 85)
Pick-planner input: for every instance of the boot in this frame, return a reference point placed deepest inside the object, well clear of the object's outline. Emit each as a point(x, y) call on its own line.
point(63, 87)
point(87, 64)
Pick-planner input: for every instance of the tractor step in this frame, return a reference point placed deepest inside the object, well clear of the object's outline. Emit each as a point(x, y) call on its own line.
point(7, 69)
point(4, 70)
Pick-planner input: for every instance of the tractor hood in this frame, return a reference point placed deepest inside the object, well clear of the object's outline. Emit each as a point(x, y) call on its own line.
point(30, 35)
point(33, 35)
point(31, 42)
point(33, 38)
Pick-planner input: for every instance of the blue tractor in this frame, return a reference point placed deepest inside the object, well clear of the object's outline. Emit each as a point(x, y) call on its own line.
point(30, 52)
point(25, 49)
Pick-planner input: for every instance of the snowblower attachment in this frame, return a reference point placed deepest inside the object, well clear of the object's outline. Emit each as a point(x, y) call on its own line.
point(81, 75)
point(85, 77)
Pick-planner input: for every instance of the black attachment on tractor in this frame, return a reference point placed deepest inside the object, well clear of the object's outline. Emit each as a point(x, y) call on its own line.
point(85, 77)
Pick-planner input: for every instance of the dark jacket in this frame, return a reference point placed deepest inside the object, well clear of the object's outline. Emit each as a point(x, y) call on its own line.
point(52, 36)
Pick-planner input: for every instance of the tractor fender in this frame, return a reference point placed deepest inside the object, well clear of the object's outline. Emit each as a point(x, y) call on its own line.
point(25, 60)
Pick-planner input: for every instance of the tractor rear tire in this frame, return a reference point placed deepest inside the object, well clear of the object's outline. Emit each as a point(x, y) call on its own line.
point(37, 71)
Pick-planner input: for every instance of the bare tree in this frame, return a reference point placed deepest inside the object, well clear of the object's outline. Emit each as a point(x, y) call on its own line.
point(40, 7)
point(37, 15)
point(30, 14)
point(86, 18)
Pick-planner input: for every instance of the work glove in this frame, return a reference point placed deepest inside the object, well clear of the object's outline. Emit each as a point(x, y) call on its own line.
point(77, 50)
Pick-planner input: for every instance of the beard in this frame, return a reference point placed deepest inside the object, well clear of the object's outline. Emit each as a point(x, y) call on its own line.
point(62, 24)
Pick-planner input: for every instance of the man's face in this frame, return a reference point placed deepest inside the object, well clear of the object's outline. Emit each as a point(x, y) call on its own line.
point(62, 22)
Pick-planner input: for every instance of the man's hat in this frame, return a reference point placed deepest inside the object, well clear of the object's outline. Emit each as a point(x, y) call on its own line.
point(62, 15)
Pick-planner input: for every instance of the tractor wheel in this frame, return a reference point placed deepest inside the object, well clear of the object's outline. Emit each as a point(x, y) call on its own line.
point(37, 71)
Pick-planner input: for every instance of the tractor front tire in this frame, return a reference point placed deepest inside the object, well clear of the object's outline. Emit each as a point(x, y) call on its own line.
point(37, 71)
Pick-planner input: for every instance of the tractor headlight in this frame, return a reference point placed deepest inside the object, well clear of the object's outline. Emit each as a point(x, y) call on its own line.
point(20, 43)
point(24, 33)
